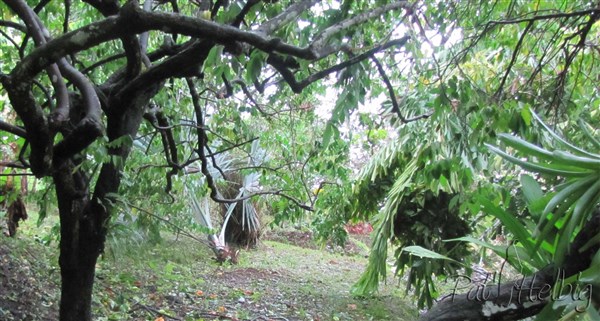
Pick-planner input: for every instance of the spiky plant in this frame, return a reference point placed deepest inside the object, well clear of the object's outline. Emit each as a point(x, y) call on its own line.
point(241, 224)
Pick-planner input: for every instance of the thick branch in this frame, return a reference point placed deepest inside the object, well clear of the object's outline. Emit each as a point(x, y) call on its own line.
point(130, 43)
point(192, 58)
point(279, 64)
point(90, 127)
point(38, 133)
point(36, 29)
point(290, 14)
point(133, 20)
point(320, 40)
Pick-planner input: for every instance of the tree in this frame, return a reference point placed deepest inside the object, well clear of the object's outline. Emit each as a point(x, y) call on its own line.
point(90, 85)
point(516, 60)
point(82, 78)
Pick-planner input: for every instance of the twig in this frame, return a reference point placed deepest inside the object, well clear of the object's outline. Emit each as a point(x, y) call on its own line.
point(17, 174)
point(513, 58)
point(390, 88)
point(156, 311)
point(297, 86)
point(178, 228)
point(546, 17)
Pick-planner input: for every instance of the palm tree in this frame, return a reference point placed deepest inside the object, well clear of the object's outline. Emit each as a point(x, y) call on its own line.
point(240, 220)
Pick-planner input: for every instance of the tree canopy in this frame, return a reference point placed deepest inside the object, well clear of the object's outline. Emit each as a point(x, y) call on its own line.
point(409, 114)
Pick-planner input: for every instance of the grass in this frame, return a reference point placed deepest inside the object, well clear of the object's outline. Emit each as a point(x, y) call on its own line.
point(178, 280)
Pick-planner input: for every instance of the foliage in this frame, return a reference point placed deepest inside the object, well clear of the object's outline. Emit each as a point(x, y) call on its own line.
point(319, 111)
point(560, 212)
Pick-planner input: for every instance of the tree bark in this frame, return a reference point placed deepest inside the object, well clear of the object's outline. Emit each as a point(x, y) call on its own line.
point(76, 288)
point(80, 244)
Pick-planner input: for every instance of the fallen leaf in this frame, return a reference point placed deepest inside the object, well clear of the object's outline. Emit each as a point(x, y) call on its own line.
point(351, 306)
point(212, 296)
point(221, 309)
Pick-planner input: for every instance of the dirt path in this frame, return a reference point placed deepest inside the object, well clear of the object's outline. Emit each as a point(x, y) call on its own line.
point(179, 281)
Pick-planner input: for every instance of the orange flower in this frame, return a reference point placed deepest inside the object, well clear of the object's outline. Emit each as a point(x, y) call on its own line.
point(199, 293)
point(159, 319)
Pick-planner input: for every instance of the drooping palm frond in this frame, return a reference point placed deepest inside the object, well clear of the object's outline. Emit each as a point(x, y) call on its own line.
point(241, 224)
point(200, 208)
point(384, 227)
point(375, 180)
point(383, 163)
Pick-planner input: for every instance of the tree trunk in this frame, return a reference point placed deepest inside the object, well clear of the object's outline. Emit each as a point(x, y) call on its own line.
point(83, 216)
point(76, 289)
point(81, 242)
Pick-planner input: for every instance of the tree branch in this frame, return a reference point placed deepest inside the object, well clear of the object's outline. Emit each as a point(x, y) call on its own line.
point(15, 130)
point(290, 14)
point(240, 17)
point(546, 17)
point(14, 25)
point(158, 120)
point(390, 88)
point(133, 20)
point(279, 64)
point(318, 44)
point(36, 30)
point(11, 40)
point(513, 59)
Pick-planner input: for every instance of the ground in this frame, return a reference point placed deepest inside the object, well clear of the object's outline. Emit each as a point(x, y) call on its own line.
point(178, 280)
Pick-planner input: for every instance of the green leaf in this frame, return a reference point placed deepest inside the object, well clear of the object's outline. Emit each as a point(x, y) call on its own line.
point(534, 167)
point(331, 133)
point(254, 65)
point(531, 189)
point(574, 187)
point(526, 115)
point(423, 252)
point(525, 147)
point(562, 141)
point(513, 225)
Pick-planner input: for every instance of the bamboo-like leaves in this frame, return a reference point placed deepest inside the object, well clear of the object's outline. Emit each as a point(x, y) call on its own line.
point(376, 270)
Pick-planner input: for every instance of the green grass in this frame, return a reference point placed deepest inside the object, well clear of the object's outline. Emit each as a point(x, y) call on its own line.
point(178, 278)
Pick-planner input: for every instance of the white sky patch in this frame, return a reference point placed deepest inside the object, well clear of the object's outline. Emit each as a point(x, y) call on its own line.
point(326, 104)
point(436, 40)
point(303, 24)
